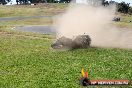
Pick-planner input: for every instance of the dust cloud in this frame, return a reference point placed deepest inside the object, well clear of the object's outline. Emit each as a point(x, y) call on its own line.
point(96, 22)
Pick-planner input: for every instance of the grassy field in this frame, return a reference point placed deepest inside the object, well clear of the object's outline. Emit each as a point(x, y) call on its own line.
point(44, 10)
point(28, 61)
point(24, 22)
point(29, 10)
point(125, 21)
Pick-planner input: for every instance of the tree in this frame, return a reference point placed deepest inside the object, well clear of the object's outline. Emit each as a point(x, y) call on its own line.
point(3, 2)
point(31, 1)
point(38, 1)
point(105, 3)
point(130, 11)
point(123, 7)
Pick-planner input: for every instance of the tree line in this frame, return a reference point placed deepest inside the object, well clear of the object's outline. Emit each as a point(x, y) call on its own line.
point(124, 8)
point(24, 2)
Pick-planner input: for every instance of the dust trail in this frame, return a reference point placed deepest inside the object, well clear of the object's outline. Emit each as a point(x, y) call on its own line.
point(97, 23)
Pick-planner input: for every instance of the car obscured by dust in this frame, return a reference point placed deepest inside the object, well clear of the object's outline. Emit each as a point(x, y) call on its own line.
point(80, 41)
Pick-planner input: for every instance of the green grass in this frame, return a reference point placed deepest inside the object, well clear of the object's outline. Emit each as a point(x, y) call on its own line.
point(28, 10)
point(125, 21)
point(27, 61)
point(24, 22)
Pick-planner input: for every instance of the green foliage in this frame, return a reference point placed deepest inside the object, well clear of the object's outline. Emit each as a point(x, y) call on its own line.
point(123, 7)
point(130, 11)
point(3, 2)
